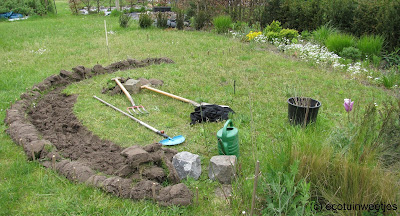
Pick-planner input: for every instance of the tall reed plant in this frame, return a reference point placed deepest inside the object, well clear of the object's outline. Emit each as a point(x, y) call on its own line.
point(370, 45)
point(323, 32)
point(337, 42)
point(222, 24)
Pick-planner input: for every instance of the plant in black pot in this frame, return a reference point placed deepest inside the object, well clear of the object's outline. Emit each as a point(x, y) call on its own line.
point(302, 110)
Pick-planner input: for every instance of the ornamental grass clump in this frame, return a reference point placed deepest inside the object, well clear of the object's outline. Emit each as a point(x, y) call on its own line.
point(222, 24)
point(145, 20)
point(124, 20)
point(337, 42)
point(370, 45)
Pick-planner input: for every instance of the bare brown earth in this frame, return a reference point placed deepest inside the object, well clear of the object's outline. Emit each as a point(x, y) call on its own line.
point(44, 124)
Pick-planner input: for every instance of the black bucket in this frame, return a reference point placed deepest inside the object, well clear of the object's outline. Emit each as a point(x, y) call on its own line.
point(298, 107)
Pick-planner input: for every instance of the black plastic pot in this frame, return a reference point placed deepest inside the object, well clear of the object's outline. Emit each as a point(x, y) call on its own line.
point(297, 108)
point(161, 9)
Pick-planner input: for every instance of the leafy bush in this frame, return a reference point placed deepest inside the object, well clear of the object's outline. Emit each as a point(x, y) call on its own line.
point(288, 34)
point(323, 32)
point(180, 19)
point(162, 20)
point(239, 26)
point(390, 79)
point(370, 45)
point(222, 24)
point(337, 42)
point(351, 53)
point(74, 6)
point(124, 20)
point(306, 35)
point(116, 13)
point(340, 13)
point(275, 26)
point(27, 7)
point(272, 35)
point(200, 20)
point(145, 20)
point(285, 195)
point(392, 58)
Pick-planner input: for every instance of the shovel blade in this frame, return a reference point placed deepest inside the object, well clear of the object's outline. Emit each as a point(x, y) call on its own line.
point(173, 141)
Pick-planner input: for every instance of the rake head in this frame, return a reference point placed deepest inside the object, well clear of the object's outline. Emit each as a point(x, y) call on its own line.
point(137, 110)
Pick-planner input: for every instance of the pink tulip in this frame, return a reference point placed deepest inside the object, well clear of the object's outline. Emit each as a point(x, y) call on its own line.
point(348, 105)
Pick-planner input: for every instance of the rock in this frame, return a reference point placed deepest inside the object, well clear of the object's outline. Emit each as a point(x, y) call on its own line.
point(222, 168)
point(156, 82)
point(132, 86)
point(187, 165)
point(177, 194)
point(136, 156)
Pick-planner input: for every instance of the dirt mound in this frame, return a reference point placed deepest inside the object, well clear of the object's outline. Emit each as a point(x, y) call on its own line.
point(113, 89)
point(52, 134)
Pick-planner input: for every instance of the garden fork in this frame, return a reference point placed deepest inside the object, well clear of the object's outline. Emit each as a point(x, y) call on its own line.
point(136, 109)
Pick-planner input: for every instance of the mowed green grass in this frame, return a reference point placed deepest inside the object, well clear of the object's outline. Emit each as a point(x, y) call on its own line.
point(206, 66)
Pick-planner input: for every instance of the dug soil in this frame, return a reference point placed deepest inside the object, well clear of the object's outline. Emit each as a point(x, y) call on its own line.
point(52, 134)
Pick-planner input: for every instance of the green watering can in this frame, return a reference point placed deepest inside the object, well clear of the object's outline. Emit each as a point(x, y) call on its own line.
point(228, 140)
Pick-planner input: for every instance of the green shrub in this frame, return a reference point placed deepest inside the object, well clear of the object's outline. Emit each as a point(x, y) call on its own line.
point(370, 45)
point(340, 13)
point(306, 35)
point(116, 13)
point(351, 53)
point(145, 20)
point(392, 59)
point(27, 7)
point(337, 42)
point(288, 34)
point(390, 79)
point(275, 26)
point(162, 20)
point(239, 26)
point(124, 20)
point(222, 24)
point(272, 35)
point(286, 195)
point(323, 32)
point(200, 20)
point(180, 19)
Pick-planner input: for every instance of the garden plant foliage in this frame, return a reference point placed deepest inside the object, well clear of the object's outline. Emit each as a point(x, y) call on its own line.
point(27, 7)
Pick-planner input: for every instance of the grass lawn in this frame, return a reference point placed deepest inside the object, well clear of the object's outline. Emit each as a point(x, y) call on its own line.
point(206, 65)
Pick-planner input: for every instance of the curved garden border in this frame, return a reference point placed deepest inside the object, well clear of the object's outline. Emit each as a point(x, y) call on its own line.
point(24, 131)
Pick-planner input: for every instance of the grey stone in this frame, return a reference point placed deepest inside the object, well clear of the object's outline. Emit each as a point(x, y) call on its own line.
point(187, 165)
point(222, 168)
point(132, 86)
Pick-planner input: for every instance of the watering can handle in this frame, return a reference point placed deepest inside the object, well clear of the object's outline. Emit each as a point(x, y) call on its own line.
point(224, 132)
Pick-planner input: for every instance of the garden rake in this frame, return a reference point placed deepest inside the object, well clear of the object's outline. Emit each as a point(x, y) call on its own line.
point(136, 109)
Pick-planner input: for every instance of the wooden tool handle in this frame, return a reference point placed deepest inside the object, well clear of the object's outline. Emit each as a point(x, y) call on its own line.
point(171, 95)
point(125, 91)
